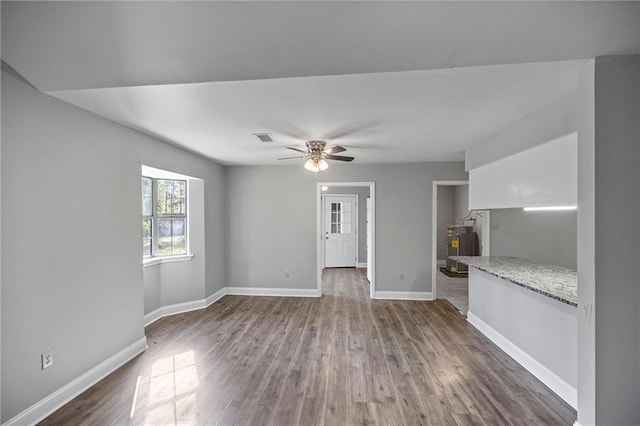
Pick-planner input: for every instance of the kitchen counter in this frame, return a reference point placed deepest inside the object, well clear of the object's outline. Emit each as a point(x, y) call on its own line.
point(553, 281)
point(529, 311)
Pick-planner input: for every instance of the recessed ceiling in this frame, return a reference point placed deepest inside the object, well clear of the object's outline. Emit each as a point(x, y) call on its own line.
point(85, 44)
point(384, 117)
point(392, 81)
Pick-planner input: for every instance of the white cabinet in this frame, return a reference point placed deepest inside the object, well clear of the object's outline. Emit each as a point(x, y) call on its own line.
point(546, 175)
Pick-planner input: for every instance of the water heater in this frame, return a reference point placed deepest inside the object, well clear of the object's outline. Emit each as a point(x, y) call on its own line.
point(460, 242)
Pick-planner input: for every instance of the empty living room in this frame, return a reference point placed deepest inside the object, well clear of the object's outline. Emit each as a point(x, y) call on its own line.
point(320, 212)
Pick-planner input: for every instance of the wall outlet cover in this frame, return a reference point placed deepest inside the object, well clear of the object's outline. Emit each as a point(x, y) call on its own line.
point(47, 359)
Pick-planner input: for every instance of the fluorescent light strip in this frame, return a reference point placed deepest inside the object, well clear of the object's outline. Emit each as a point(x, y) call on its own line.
point(549, 208)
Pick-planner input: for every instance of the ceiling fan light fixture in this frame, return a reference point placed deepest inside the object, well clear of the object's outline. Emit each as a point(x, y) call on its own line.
point(312, 165)
point(315, 165)
point(317, 155)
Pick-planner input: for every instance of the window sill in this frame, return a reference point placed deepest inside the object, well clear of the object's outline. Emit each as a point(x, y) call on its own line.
point(166, 259)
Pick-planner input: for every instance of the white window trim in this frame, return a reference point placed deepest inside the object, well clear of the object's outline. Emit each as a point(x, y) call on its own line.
point(154, 174)
point(151, 261)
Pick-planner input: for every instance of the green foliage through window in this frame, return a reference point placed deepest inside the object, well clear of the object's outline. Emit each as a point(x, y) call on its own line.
point(164, 227)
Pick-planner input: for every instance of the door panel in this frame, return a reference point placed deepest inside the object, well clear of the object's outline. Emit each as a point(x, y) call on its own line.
point(340, 230)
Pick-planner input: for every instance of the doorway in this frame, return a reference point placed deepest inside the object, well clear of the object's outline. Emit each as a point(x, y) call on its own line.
point(337, 208)
point(456, 231)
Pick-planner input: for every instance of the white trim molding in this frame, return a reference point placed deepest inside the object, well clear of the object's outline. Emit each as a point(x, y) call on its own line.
point(180, 308)
point(563, 389)
point(278, 292)
point(361, 265)
point(166, 259)
point(213, 298)
point(43, 408)
point(194, 305)
point(403, 295)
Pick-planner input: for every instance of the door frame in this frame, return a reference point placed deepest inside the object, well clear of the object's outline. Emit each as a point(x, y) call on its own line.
point(320, 236)
point(356, 224)
point(486, 229)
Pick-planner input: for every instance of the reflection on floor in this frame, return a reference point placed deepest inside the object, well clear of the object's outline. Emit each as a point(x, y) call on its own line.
point(339, 359)
point(455, 290)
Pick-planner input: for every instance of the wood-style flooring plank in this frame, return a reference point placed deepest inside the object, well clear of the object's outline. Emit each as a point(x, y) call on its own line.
point(342, 359)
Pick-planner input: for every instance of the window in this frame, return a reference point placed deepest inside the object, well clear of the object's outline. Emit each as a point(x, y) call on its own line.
point(340, 218)
point(164, 217)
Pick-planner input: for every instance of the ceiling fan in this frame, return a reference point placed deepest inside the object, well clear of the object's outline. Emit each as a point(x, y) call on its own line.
point(316, 154)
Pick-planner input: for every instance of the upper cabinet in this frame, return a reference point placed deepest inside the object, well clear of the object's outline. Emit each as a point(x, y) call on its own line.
point(546, 175)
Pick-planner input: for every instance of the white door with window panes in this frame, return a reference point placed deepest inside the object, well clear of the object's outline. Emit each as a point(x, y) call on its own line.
point(340, 230)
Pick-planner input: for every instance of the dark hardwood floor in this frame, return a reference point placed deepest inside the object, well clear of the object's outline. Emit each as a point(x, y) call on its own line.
point(337, 360)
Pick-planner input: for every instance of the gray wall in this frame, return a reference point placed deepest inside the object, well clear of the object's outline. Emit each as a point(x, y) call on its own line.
point(362, 192)
point(617, 274)
point(272, 222)
point(608, 197)
point(586, 246)
point(460, 201)
point(444, 218)
point(0, 259)
point(72, 272)
point(546, 237)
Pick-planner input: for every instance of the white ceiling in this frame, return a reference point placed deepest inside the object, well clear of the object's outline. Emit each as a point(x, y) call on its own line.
point(384, 117)
point(374, 76)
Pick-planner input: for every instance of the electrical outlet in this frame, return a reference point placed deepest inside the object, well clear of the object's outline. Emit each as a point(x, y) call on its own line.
point(401, 276)
point(47, 359)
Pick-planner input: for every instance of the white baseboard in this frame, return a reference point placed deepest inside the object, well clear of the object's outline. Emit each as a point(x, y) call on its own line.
point(361, 265)
point(210, 300)
point(40, 410)
point(576, 423)
point(178, 308)
point(563, 389)
point(280, 292)
point(403, 295)
point(194, 305)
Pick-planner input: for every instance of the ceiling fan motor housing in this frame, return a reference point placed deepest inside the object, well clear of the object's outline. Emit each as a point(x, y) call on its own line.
point(316, 147)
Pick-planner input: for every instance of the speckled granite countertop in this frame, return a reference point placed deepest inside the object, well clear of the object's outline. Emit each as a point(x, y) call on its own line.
point(553, 281)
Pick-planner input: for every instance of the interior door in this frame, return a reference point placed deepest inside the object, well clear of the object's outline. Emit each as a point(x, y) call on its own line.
point(340, 216)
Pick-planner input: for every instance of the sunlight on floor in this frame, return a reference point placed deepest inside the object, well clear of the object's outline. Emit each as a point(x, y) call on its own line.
point(171, 391)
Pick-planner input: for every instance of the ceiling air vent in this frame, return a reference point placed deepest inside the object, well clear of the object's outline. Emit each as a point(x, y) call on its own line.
point(264, 137)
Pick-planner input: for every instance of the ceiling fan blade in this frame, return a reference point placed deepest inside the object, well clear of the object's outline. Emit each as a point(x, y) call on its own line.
point(297, 149)
point(339, 157)
point(349, 131)
point(290, 158)
point(334, 150)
